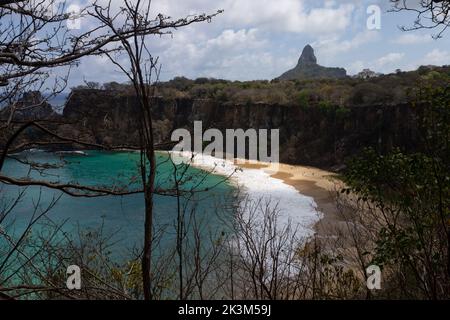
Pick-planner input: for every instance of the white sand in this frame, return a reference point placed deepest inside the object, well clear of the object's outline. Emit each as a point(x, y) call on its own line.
point(294, 209)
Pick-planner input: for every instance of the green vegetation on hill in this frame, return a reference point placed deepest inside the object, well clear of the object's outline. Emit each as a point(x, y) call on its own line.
point(390, 89)
point(386, 89)
point(410, 194)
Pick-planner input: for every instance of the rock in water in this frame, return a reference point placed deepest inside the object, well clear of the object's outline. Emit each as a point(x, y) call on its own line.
point(307, 68)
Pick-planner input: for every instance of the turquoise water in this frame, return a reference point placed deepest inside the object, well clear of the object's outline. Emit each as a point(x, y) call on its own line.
point(122, 217)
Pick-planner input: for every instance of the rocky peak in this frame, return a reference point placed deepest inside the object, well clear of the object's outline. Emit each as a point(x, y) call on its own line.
point(308, 56)
point(307, 68)
point(31, 106)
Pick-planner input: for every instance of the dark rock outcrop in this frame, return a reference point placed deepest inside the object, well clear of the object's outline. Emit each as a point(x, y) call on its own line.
point(307, 68)
point(308, 57)
point(32, 106)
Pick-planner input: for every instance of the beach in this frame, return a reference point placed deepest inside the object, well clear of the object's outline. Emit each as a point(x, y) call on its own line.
point(303, 195)
point(312, 182)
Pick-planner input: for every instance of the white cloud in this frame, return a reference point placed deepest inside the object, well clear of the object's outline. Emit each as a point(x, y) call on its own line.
point(356, 67)
point(389, 59)
point(236, 39)
point(290, 15)
point(412, 38)
point(295, 16)
point(437, 57)
point(233, 54)
point(240, 41)
point(329, 47)
point(385, 64)
point(390, 62)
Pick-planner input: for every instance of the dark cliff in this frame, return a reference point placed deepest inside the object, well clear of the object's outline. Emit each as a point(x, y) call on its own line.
point(32, 106)
point(321, 122)
point(321, 137)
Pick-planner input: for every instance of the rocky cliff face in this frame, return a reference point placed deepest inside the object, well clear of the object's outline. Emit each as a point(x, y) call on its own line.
point(307, 68)
point(32, 106)
point(308, 57)
point(308, 136)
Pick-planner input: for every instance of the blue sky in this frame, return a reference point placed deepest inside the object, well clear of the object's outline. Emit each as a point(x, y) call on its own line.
point(260, 39)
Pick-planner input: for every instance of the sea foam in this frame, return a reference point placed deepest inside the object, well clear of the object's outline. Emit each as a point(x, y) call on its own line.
point(294, 209)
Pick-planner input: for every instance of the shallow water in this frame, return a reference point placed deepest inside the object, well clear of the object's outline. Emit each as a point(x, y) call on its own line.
point(122, 217)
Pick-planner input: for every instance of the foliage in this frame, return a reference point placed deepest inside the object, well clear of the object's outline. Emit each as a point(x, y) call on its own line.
point(385, 89)
point(412, 195)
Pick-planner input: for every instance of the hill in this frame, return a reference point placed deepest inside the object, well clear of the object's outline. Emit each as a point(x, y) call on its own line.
point(307, 68)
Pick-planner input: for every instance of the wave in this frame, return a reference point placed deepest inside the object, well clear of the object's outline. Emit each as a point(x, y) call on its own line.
point(75, 152)
point(294, 209)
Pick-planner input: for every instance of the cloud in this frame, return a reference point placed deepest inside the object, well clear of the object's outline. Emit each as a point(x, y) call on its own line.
point(389, 59)
point(385, 64)
point(242, 40)
point(233, 54)
point(256, 39)
point(437, 57)
point(294, 16)
point(325, 20)
point(248, 31)
point(390, 62)
point(356, 67)
point(236, 39)
point(412, 39)
point(329, 47)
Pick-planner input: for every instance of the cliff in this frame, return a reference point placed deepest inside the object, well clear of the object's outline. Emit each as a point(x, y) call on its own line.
point(32, 106)
point(321, 122)
point(309, 136)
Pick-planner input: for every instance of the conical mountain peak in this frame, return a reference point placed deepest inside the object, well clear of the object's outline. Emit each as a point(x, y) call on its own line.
point(308, 56)
point(307, 68)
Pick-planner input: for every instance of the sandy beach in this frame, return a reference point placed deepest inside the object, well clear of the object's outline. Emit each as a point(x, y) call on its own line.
point(291, 185)
point(312, 182)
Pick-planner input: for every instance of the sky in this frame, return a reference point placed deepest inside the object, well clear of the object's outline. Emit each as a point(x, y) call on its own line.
point(261, 39)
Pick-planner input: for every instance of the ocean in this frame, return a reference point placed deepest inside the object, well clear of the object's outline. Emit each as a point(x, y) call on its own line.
point(122, 217)
point(119, 217)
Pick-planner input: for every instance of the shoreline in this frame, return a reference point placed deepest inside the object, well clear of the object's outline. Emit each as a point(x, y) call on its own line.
point(264, 190)
point(311, 187)
point(312, 182)
point(300, 182)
